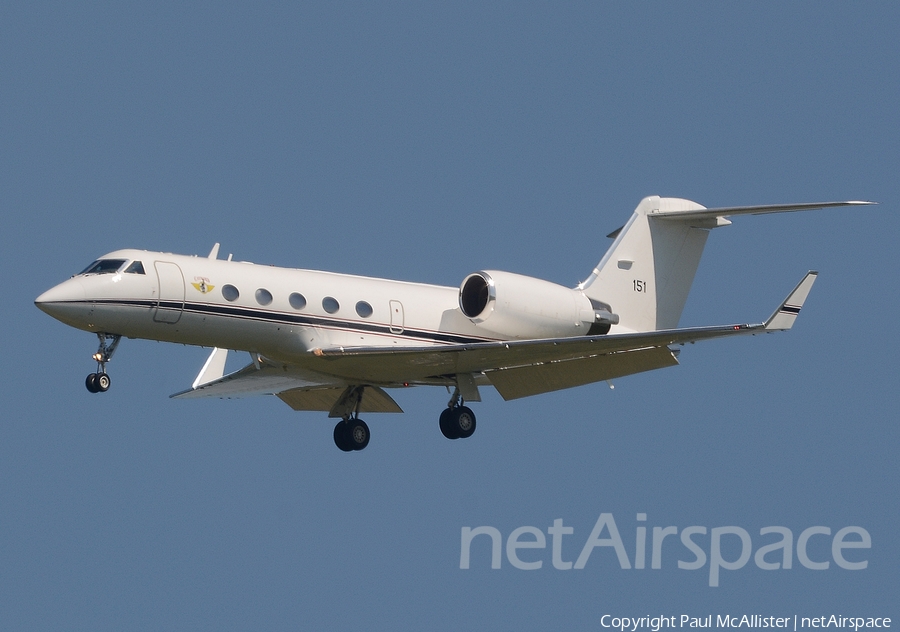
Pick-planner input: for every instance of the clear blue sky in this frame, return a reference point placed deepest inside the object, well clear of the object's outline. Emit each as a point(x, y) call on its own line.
point(426, 142)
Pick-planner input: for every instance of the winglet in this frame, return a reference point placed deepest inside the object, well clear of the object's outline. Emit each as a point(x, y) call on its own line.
point(214, 252)
point(786, 314)
point(213, 369)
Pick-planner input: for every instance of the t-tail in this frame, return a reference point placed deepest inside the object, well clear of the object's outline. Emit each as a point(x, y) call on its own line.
point(647, 273)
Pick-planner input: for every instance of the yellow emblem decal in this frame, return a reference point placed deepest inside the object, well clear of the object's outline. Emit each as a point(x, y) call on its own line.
point(202, 285)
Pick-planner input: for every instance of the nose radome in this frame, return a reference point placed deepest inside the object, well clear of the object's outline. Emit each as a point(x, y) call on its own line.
point(56, 298)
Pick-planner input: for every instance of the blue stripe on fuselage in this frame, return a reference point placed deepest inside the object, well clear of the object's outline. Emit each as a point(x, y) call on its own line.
point(229, 311)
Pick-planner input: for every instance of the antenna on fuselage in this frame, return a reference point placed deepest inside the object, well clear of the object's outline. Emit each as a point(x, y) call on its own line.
point(214, 253)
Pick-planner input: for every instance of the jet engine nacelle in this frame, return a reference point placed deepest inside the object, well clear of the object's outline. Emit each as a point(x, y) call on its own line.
point(516, 306)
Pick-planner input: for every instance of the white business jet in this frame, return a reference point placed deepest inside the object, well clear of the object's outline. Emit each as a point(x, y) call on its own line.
point(334, 342)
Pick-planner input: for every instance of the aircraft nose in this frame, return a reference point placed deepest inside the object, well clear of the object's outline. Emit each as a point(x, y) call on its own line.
point(59, 300)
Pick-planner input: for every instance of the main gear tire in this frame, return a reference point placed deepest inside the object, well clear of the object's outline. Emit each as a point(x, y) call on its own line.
point(340, 437)
point(357, 434)
point(446, 424)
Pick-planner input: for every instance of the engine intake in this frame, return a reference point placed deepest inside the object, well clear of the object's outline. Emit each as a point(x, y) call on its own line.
point(475, 294)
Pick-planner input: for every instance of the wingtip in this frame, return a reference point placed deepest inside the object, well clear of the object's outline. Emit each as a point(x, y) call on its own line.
point(783, 318)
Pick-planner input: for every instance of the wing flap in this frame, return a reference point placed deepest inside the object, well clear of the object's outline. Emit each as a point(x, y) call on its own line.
point(555, 376)
point(374, 399)
point(320, 399)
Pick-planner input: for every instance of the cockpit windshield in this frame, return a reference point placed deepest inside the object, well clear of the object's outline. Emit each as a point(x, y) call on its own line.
point(136, 267)
point(104, 266)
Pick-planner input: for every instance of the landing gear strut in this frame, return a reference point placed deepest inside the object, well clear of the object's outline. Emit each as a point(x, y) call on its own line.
point(351, 433)
point(99, 382)
point(457, 421)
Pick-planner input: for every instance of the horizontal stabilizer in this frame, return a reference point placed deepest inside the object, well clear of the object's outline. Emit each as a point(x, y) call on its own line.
point(783, 318)
point(730, 211)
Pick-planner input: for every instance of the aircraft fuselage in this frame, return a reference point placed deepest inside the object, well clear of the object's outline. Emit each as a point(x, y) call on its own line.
point(283, 314)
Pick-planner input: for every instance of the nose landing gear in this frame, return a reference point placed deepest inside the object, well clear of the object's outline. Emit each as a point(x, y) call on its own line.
point(99, 382)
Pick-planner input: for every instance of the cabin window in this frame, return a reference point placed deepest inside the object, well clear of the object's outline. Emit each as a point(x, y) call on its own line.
point(330, 304)
point(363, 309)
point(104, 266)
point(230, 292)
point(263, 296)
point(136, 267)
point(297, 300)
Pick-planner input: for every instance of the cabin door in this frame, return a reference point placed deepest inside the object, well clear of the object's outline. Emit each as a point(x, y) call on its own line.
point(170, 301)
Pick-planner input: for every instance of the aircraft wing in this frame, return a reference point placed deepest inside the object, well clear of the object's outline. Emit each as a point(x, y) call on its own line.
point(515, 368)
point(528, 367)
point(522, 368)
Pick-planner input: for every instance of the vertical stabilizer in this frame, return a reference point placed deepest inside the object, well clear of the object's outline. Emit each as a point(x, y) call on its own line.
point(647, 273)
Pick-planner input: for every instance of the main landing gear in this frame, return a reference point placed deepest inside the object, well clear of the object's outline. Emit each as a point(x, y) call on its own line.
point(457, 421)
point(99, 382)
point(351, 434)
